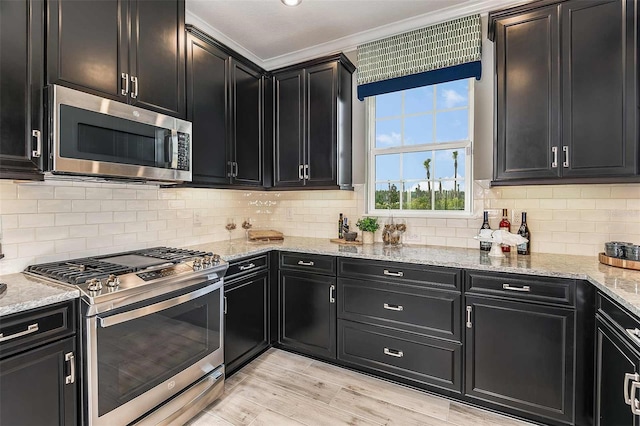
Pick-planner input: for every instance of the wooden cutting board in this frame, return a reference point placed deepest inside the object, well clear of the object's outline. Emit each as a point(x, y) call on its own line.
point(345, 242)
point(619, 263)
point(265, 235)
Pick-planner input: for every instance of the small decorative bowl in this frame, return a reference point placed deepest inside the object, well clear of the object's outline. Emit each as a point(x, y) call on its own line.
point(350, 236)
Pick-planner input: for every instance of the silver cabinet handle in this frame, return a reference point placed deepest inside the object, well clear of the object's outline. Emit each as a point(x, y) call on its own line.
point(303, 263)
point(554, 163)
point(38, 151)
point(635, 404)
point(225, 305)
point(134, 92)
point(627, 378)
point(565, 152)
point(393, 274)
point(71, 378)
point(30, 329)
point(300, 172)
point(393, 352)
point(524, 288)
point(230, 164)
point(393, 307)
point(125, 83)
point(306, 172)
point(469, 324)
point(235, 173)
point(332, 298)
point(247, 267)
point(635, 335)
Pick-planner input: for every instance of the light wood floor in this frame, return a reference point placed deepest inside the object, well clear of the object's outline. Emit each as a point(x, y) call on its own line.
point(280, 388)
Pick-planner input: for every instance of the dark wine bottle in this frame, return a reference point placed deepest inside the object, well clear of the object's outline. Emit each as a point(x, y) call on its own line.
point(505, 225)
point(485, 245)
point(523, 231)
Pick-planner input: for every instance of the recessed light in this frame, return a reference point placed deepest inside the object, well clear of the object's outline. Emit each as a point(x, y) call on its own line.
point(291, 2)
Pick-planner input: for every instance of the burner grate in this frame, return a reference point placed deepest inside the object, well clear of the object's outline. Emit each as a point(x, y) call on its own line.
point(172, 254)
point(78, 271)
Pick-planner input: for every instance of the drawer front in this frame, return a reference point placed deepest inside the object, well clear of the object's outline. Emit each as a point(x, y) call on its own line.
point(526, 287)
point(315, 263)
point(409, 273)
point(398, 354)
point(239, 268)
point(25, 330)
point(411, 308)
point(619, 317)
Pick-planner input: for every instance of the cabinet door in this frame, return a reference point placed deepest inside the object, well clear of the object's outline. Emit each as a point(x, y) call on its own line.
point(33, 386)
point(614, 359)
point(599, 48)
point(527, 95)
point(208, 110)
point(288, 146)
point(157, 56)
point(21, 82)
point(246, 95)
point(246, 327)
point(308, 313)
point(321, 135)
point(520, 355)
point(87, 46)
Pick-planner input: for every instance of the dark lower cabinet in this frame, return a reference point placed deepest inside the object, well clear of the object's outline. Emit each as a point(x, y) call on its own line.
point(400, 355)
point(21, 88)
point(33, 386)
point(246, 324)
point(308, 313)
point(521, 356)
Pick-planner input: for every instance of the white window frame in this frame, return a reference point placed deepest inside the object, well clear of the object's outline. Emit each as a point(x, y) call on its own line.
point(372, 151)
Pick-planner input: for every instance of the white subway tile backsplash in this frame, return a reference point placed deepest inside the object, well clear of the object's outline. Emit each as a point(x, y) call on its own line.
point(35, 192)
point(84, 231)
point(35, 220)
point(69, 193)
point(13, 206)
point(67, 245)
point(70, 219)
point(54, 206)
point(101, 217)
point(52, 233)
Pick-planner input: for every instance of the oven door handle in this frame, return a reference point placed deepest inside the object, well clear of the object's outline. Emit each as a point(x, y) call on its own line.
point(157, 307)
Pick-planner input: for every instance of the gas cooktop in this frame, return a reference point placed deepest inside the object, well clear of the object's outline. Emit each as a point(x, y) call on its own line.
point(144, 273)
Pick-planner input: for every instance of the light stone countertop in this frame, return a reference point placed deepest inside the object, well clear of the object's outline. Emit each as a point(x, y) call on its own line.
point(622, 285)
point(25, 292)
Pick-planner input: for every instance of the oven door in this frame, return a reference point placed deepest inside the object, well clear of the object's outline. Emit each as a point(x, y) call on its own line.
point(140, 357)
point(102, 137)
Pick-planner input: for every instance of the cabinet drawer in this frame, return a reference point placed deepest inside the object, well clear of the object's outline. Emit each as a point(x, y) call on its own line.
point(25, 330)
point(402, 355)
point(434, 276)
point(417, 309)
point(249, 265)
point(526, 287)
point(315, 263)
point(619, 317)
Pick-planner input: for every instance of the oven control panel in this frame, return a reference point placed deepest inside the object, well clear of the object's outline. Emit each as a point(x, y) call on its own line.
point(165, 272)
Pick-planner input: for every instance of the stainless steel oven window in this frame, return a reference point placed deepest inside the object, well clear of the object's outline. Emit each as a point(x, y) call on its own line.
point(140, 357)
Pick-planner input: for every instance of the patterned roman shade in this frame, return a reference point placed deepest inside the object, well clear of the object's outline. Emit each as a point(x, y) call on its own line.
point(449, 45)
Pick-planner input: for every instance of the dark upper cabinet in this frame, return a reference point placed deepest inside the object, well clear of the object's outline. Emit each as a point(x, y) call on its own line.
point(566, 92)
point(128, 50)
point(21, 88)
point(246, 327)
point(225, 104)
point(312, 146)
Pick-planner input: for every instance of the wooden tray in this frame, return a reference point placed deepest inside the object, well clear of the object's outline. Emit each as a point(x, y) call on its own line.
point(345, 242)
point(619, 263)
point(265, 235)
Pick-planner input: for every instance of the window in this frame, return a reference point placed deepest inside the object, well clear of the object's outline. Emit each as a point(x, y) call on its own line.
point(420, 150)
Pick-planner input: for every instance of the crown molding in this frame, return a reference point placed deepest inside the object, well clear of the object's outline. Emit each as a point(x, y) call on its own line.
point(351, 42)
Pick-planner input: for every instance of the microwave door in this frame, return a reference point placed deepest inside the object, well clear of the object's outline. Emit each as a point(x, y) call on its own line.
point(167, 148)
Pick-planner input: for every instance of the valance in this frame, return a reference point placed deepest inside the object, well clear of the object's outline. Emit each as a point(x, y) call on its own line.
point(453, 45)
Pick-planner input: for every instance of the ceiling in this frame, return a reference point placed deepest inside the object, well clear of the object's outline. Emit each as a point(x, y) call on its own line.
point(274, 35)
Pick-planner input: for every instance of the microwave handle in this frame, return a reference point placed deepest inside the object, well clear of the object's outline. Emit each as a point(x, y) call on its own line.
point(171, 150)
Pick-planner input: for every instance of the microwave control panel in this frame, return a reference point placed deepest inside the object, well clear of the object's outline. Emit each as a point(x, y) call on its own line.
point(184, 156)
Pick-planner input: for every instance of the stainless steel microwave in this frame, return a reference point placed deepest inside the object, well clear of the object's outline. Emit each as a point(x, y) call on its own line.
point(93, 136)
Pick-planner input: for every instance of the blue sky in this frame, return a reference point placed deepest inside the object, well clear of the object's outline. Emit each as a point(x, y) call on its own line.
point(450, 126)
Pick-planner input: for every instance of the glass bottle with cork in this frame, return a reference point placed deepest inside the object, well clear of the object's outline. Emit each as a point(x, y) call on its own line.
point(523, 231)
point(505, 225)
point(485, 245)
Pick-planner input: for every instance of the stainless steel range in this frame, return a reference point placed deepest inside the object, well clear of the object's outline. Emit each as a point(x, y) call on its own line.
point(151, 331)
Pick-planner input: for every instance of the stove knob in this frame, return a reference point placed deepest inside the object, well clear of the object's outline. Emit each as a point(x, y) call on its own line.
point(216, 258)
point(206, 262)
point(94, 284)
point(197, 263)
point(112, 281)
